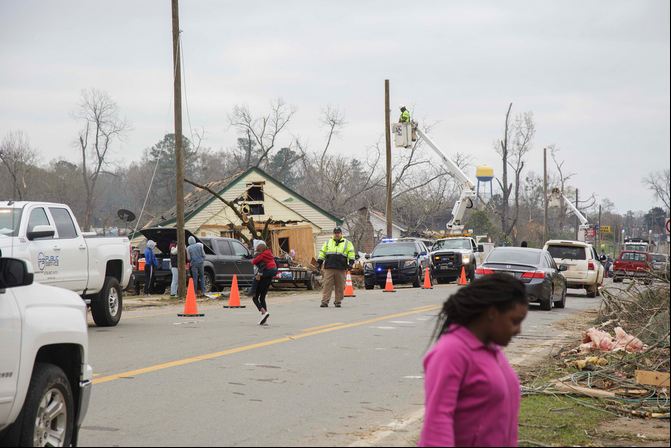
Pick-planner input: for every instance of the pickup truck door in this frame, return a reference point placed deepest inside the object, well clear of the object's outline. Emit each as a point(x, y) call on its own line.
point(225, 263)
point(243, 263)
point(45, 252)
point(73, 258)
point(10, 350)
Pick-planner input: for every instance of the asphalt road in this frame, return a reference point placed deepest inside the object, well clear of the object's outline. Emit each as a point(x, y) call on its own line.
point(312, 376)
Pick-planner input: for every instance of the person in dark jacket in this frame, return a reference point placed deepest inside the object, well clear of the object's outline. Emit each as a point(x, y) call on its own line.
point(264, 278)
point(150, 266)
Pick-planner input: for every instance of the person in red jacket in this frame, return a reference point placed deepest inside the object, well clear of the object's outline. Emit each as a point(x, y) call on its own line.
point(264, 277)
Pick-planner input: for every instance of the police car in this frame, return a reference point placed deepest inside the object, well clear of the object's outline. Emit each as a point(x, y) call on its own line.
point(407, 259)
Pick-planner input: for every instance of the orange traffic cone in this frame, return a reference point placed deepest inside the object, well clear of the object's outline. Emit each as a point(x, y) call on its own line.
point(389, 287)
point(462, 280)
point(190, 307)
point(427, 280)
point(234, 300)
point(349, 289)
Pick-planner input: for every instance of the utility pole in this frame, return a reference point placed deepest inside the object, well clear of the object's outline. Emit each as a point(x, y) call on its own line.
point(600, 237)
point(179, 152)
point(387, 134)
point(545, 194)
point(576, 218)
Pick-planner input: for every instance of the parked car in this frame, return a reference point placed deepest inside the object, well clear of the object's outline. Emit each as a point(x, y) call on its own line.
point(224, 257)
point(45, 378)
point(451, 255)
point(544, 281)
point(407, 261)
point(632, 264)
point(660, 264)
point(584, 270)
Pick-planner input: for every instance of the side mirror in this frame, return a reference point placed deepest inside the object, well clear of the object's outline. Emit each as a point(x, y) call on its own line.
point(563, 268)
point(481, 248)
point(41, 232)
point(416, 254)
point(14, 272)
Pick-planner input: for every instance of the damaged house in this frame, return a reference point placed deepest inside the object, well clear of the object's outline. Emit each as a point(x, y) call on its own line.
point(296, 223)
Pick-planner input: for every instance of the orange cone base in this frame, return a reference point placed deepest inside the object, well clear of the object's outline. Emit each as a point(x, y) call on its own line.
point(190, 315)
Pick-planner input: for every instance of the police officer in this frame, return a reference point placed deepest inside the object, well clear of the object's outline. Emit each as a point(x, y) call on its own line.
point(405, 115)
point(336, 255)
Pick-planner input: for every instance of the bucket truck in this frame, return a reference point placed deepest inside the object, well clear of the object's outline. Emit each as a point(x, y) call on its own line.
point(457, 252)
point(555, 201)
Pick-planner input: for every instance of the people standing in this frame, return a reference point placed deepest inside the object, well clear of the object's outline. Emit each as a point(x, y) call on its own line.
point(150, 266)
point(336, 255)
point(405, 115)
point(174, 268)
point(267, 270)
point(472, 394)
point(196, 255)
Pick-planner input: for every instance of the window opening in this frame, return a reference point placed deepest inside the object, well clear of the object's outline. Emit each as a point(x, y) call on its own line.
point(255, 193)
point(256, 209)
point(284, 244)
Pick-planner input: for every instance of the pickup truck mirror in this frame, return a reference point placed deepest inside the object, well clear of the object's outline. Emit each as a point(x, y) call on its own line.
point(41, 232)
point(481, 248)
point(563, 268)
point(14, 272)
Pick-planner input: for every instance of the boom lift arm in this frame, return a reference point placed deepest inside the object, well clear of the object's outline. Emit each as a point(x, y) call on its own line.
point(556, 194)
point(468, 191)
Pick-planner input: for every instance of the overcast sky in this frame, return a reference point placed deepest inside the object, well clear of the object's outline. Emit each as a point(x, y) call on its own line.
point(595, 74)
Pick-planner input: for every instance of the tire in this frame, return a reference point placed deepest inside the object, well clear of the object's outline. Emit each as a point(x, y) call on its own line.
point(561, 303)
point(617, 279)
point(418, 280)
point(546, 305)
point(471, 274)
point(310, 283)
point(370, 286)
point(591, 293)
point(106, 307)
point(159, 288)
point(209, 282)
point(49, 388)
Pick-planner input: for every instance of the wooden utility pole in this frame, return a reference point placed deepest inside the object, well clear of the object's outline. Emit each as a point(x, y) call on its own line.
point(577, 222)
point(387, 134)
point(600, 237)
point(545, 194)
point(179, 152)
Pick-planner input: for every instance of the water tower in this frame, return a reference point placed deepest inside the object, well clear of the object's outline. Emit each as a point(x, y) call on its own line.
point(485, 174)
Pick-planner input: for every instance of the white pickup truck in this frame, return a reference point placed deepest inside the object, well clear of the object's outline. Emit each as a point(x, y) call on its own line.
point(45, 378)
point(47, 235)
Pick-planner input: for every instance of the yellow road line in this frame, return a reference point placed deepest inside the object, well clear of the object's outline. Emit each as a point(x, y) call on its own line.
point(250, 347)
point(323, 326)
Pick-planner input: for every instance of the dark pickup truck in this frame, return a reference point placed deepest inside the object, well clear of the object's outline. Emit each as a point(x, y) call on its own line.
point(224, 257)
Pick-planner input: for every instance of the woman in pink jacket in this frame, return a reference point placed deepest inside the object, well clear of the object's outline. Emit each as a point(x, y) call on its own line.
point(472, 394)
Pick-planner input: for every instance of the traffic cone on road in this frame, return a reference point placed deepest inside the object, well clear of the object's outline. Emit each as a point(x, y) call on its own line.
point(427, 280)
point(389, 287)
point(462, 280)
point(234, 299)
point(190, 307)
point(349, 289)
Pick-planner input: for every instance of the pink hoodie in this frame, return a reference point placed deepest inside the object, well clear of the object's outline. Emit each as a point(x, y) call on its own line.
point(472, 393)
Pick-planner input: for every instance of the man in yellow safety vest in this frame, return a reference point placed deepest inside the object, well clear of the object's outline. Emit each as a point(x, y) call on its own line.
point(336, 256)
point(405, 115)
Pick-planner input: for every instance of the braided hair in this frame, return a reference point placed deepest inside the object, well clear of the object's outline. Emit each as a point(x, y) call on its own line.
point(501, 291)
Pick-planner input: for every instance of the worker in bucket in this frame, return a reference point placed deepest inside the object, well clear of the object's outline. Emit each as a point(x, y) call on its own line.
point(336, 255)
point(405, 115)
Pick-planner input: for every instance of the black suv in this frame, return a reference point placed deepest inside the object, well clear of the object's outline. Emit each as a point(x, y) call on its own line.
point(407, 261)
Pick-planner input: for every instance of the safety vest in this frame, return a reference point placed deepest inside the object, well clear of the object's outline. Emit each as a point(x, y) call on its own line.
point(337, 255)
point(405, 117)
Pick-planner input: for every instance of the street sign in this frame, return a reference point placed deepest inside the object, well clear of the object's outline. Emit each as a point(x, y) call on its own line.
point(604, 229)
point(590, 235)
point(668, 225)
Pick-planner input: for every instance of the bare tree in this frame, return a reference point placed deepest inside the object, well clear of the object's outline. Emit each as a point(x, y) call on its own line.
point(516, 143)
point(103, 125)
point(261, 132)
point(19, 159)
point(658, 182)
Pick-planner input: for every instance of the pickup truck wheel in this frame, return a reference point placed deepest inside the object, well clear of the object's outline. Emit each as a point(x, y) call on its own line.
point(617, 279)
point(106, 307)
point(471, 274)
point(48, 413)
point(159, 288)
point(209, 282)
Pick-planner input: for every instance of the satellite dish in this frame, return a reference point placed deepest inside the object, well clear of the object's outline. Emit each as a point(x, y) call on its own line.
point(126, 215)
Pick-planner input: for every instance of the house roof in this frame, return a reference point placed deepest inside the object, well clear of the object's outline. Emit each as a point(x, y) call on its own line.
point(384, 217)
point(198, 199)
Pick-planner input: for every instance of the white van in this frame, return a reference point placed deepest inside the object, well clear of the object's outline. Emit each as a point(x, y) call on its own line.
point(584, 270)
